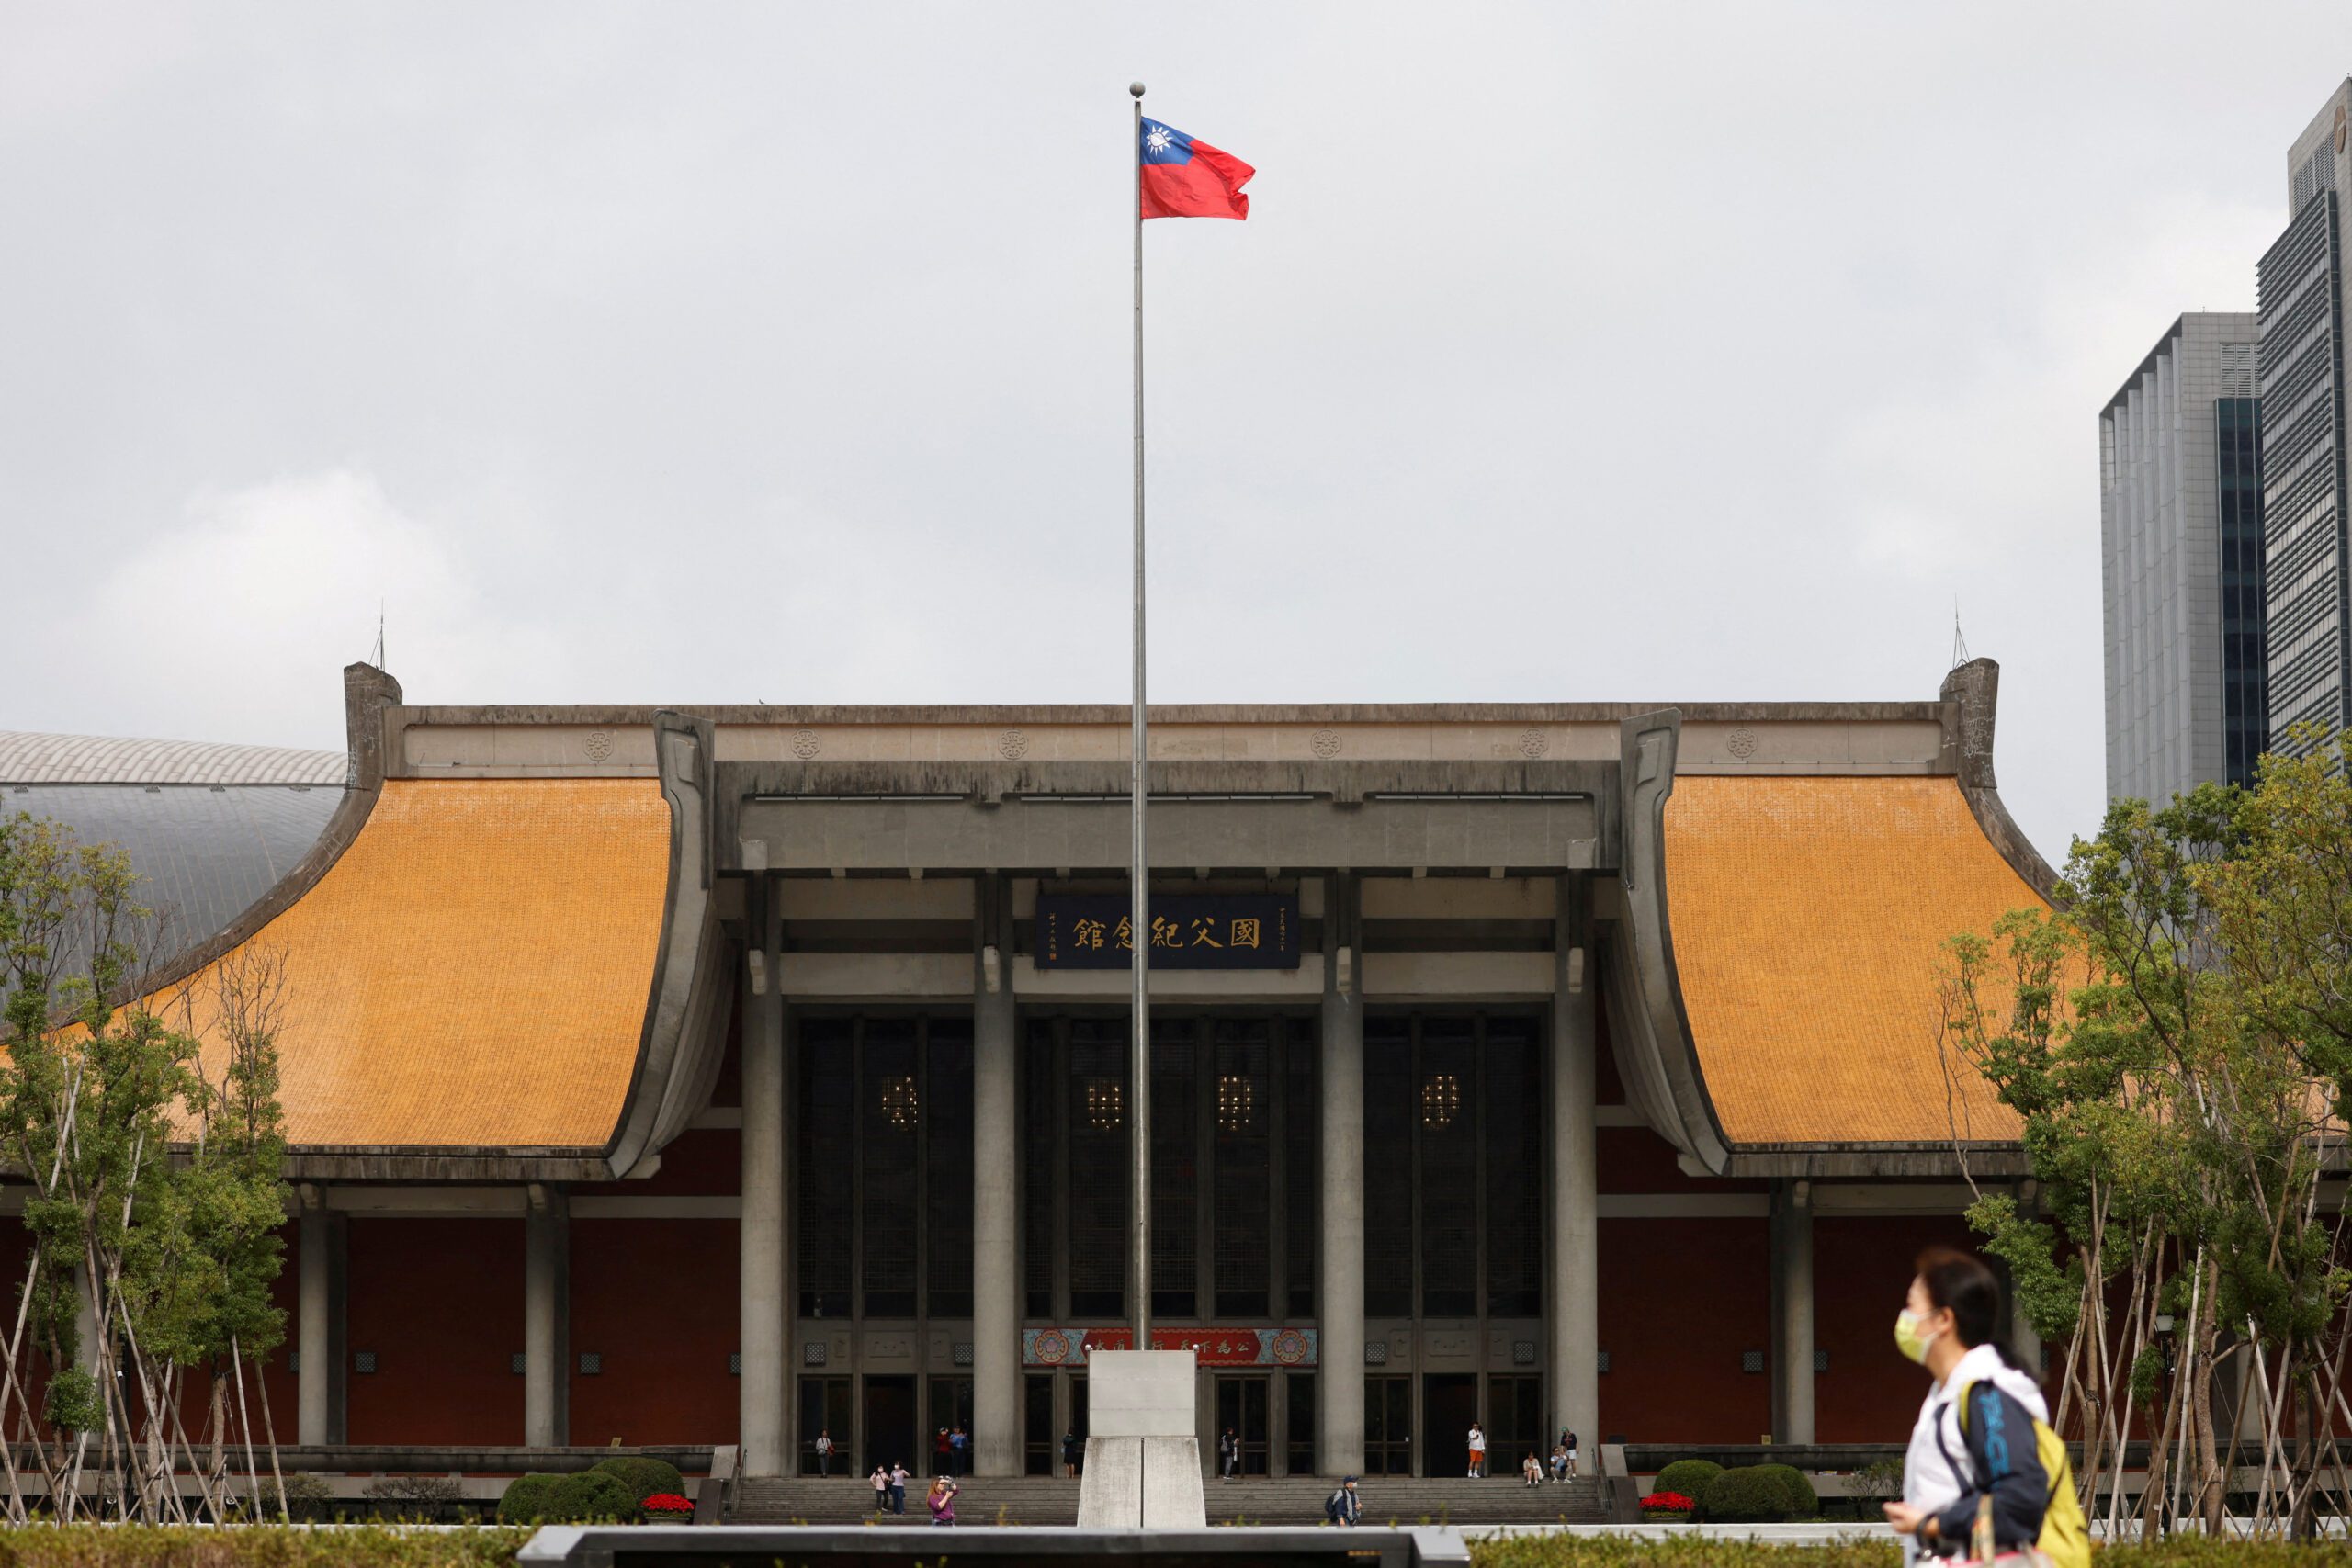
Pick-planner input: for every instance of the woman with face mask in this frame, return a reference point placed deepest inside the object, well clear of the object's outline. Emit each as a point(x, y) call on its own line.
point(1945, 1326)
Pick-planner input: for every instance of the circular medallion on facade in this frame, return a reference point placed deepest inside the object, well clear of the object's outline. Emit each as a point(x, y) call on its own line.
point(1742, 744)
point(599, 745)
point(1051, 1347)
point(1534, 742)
point(1324, 741)
point(1289, 1348)
point(1012, 745)
point(806, 744)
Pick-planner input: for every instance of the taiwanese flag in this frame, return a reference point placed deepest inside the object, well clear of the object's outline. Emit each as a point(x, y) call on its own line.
point(1184, 178)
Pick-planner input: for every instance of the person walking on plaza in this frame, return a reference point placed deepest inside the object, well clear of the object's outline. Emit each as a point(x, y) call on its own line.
point(1071, 1448)
point(881, 1479)
point(939, 1453)
point(959, 1450)
point(942, 1501)
point(899, 1479)
point(1571, 1443)
point(1977, 1469)
point(1229, 1455)
point(1478, 1453)
point(825, 1453)
point(1343, 1508)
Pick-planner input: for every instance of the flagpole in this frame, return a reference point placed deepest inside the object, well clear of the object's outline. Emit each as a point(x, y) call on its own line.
point(1138, 870)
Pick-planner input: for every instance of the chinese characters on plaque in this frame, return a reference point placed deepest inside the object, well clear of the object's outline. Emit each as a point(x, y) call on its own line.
point(1189, 930)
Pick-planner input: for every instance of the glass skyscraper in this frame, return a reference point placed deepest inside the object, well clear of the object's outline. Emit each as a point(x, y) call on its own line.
point(2180, 526)
point(2300, 294)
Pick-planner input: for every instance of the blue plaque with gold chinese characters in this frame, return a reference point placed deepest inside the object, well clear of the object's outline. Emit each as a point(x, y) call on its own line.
point(1189, 930)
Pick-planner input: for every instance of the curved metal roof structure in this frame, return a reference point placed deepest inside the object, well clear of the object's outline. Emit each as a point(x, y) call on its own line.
point(210, 827)
point(31, 758)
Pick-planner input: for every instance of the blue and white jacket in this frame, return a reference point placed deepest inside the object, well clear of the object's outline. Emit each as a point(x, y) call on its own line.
point(1947, 1470)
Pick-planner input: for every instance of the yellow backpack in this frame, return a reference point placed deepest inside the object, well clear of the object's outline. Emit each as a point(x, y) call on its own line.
point(2065, 1537)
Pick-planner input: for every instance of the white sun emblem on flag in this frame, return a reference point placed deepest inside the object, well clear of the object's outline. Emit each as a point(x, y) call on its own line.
point(1158, 139)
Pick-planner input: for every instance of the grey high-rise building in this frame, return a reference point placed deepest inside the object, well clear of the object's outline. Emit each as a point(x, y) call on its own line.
point(2302, 306)
point(2180, 530)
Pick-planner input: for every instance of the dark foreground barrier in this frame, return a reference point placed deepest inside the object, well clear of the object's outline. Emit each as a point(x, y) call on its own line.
point(757, 1546)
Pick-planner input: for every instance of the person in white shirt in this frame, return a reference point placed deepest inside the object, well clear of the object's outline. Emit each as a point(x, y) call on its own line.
point(1947, 1326)
point(1477, 1452)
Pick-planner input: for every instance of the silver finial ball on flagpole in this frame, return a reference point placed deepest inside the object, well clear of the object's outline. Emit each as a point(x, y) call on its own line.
point(1136, 88)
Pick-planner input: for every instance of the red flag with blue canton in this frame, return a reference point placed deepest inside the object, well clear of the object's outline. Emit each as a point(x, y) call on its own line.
point(1185, 178)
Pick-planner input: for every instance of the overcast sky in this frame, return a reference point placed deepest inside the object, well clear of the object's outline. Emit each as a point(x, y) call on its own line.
point(719, 354)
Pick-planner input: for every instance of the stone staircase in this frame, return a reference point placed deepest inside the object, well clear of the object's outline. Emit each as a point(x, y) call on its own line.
point(1294, 1500)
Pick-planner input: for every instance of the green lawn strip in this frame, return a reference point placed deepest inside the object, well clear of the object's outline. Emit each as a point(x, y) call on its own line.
point(256, 1546)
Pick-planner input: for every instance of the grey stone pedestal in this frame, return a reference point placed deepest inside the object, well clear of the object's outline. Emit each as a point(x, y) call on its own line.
point(1143, 1458)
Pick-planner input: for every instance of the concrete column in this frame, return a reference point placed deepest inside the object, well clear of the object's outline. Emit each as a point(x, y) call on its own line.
point(547, 1318)
point(1792, 1313)
point(1339, 1296)
point(766, 1307)
point(996, 1193)
point(1572, 1296)
point(314, 1317)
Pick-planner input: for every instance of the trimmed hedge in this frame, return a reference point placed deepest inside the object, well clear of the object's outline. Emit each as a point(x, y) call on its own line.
point(586, 1496)
point(528, 1499)
point(1804, 1503)
point(1750, 1494)
point(1690, 1477)
point(591, 1496)
point(645, 1477)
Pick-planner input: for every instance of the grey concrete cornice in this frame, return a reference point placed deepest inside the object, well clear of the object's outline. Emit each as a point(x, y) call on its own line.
point(1000, 713)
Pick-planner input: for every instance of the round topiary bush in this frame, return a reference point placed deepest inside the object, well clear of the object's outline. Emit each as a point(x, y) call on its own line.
point(1746, 1495)
point(645, 1477)
point(593, 1497)
point(1688, 1476)
point(529, 1500)
point(1804, 1503)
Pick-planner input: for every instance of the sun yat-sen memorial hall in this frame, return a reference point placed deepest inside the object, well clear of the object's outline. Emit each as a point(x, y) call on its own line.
point(735, 1074)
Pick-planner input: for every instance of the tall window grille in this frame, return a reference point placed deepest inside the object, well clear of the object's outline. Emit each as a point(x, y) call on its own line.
point(1241, 1111)
point(1514, 1145)
point(1453, 1165)
point(1388, 1120)
point(947, 1167)
point(1175, 1173)
point(1096, 1129)
point(889, 1119)
point(2245, 698)
point(1302, 1159)
point(1040, 1155)
point(828, 1147)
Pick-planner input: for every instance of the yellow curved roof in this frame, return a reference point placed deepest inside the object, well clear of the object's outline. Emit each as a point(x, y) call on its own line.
point(474, 970)
point(1808, 918)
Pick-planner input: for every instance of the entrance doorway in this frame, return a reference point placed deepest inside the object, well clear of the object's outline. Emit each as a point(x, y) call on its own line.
point(891, 1425)
point(951, 1407)
point(1449, 1403)
point(1388, 1425)
point(1242, 1410)
point(824, 1412)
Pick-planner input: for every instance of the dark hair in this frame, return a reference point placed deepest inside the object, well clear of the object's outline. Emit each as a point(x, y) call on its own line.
point(1961, 1282)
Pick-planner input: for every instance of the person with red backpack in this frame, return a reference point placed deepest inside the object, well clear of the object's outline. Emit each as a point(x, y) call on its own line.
point(1985, 1476)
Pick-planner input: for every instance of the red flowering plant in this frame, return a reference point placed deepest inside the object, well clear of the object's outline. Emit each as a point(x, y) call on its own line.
point(668, 1508)
point(1667, 1506)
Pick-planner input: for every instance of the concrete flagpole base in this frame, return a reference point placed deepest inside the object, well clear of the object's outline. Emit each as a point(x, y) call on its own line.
point(1143, 1458)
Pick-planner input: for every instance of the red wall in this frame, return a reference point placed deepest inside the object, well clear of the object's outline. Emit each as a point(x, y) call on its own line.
point(440, 1302)
point(1680, 1300)
point(657, 1300)
point(1861, 1266)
